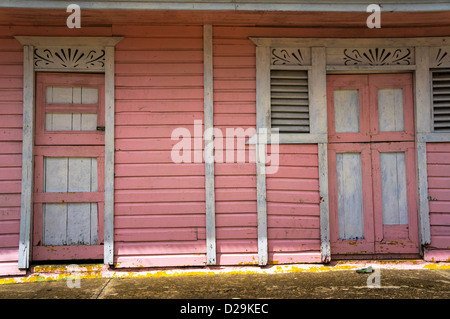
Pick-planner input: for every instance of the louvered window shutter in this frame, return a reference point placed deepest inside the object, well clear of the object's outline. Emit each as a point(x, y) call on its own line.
point(441, 100)
point(289, 101)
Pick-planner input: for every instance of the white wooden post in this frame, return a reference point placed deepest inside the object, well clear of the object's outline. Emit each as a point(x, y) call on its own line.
point(423, 125)
point(109, 157)
point(26, 201)
point(318, 118)
point(209, 150)
point(262, 122)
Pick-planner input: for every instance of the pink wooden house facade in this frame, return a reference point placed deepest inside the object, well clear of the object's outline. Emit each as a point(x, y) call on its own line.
point(90, 116)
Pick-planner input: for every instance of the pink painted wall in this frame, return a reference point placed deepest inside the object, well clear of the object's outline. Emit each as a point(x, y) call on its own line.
point(293, 213)
point(292, 193)
point(159, 205)
point(234, 107)
point(438, 160)
point(11, 73)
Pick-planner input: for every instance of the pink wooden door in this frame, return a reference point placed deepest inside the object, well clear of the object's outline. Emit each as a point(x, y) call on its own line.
point(372, 187)
point(69, 166)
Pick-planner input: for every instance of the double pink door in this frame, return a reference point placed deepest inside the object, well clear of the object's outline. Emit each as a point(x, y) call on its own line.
point(372, 188)
point(69, 166)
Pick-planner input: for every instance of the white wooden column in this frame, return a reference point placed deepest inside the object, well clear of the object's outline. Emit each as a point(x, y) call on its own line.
point(318, 118)
point(26, 201)
point(423, 126)
point(109, 157)
point(210, 200)
point(262, 123)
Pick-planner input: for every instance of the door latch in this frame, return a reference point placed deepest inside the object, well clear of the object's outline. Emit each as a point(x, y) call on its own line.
point(100, 128)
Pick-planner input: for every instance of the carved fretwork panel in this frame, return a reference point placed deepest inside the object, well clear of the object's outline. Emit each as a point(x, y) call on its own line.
point(290, 56)
point(440, 57)
point(69, 58)
point(370, 56)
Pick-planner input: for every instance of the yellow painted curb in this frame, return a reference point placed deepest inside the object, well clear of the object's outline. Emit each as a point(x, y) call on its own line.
point(93, 271)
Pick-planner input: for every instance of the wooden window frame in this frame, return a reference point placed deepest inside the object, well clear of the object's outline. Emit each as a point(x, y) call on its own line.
point(106, 66)
point(67, 137)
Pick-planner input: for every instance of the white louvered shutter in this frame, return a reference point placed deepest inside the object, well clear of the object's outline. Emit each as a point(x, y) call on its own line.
point(441, 100)
point(289, 101)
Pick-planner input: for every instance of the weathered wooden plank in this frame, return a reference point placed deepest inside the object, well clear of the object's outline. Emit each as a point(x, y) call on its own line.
point(10, 173)
point(236, 233)
point(236, 207)
point(438, 170)
point(158, 208)
point(14, 134)
point(9, 241)
point(439, 182)
point(80, 174)
point(164, 195)
point(79, 224)
point(160, 261)
point(55, 224)
point(9, 214)
point(390, 110)
point(158, 221)
point(393, 188)
point(350, 197)
point(158, 69)
point(440, 219)
point(26, 213)
point(10, 186)
point(238, 246)
point(236, 220)
point(303, 244)
point(438, 158)
point(155, 119)
point(139, 170)
point(55, 174)
point(151, 31)
point(234, 194)
point(274, 183)
point(293, 234)
point(163, 182)
point(156, 235)
point(346, 111)
point(293, 196)
point(301, 222)
point(172, 44)
point(9, 227)
point(235, 181)
point(438, 147)
point(291, 209)
point(440, 194)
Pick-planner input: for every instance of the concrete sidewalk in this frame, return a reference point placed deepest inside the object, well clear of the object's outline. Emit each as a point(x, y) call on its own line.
point(389, 280)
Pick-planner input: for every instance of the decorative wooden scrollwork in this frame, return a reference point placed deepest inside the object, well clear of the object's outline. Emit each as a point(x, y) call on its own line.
point(69, 58)
point(378, 56)
point(290, 56)
point(440, 57)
